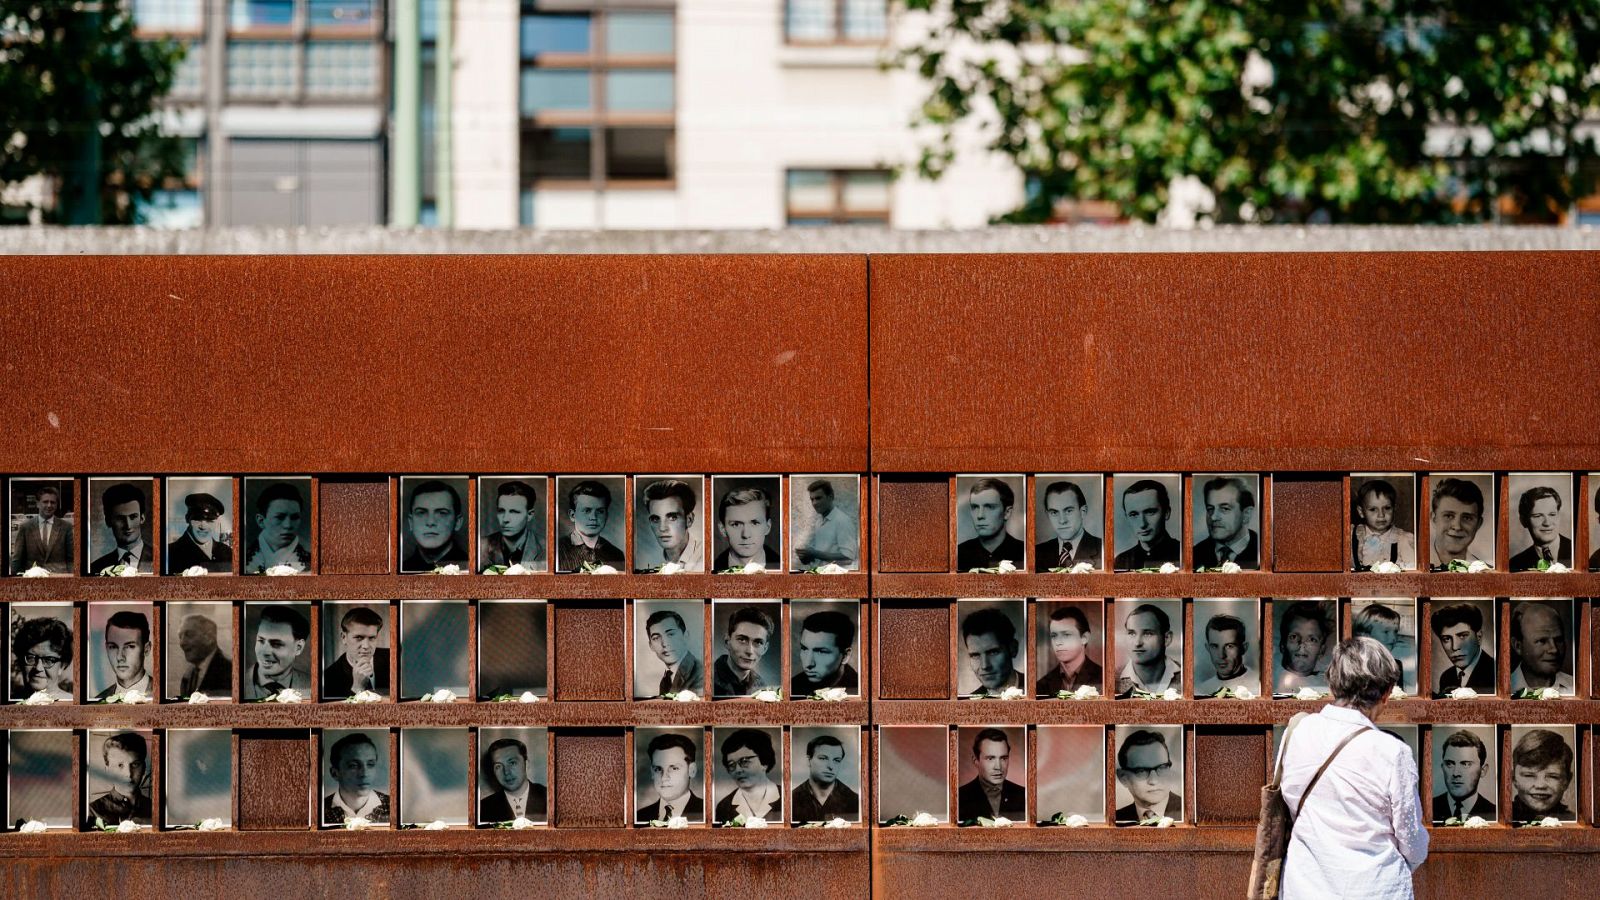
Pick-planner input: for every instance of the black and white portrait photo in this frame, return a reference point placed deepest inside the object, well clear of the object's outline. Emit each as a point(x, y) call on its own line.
point(355, 649)
point(1068, 517)
point(1542, 646)
point(118, 649)
point(1306, 630)
point(823, 646)
point(433, 523)
point(1148, 645)
point(825, 761)
point(116, 778)
point(197, 776)
point(743, 637)
point(513, 648)
point(433, 641)
point(1149, 533)
point(1227, 651)
point(991, 521)
point(1383, 521)
point(1544, 772)
point(39, 782)
point(1392, 622)
point(433, 777)
point(747, 781)
point(1149, 773)
point(990, 650)
point(1069, 645)
point(668, 778)
point(992, 772)
point(1071, 769)
point(669, 523)
point(669, 647)
point(1594, 529)
point(824, 521)
point(1543, 530)
point(591, 521)
point(277, 524)
point(121, 530)
point(1226, 524)
point(1464, 780)
point(1464, 635)
point(913, 771)
point(42, 523)
point(197, 657)
point(513, 775)
point(1461, 520)
point(355, 775)
point(199, 526)
point(1410, 735)
point(41, 651)
point(748, 527)
point(276, 640)
point(512, 517)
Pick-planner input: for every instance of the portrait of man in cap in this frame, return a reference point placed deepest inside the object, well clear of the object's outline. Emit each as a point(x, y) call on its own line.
point(201, 543)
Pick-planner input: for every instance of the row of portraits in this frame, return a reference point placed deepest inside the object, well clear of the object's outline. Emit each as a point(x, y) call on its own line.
point(517, 522)
point(1068, 641)
point(1068, 517)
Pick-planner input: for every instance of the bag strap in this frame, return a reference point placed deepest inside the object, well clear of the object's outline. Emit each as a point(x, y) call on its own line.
point(1325, 764)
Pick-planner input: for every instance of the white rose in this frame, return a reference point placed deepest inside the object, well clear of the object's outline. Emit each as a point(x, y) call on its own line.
point(1167, 568)
point(212, 825)
point(1463, 693)
point(1308, 693)
point(127, 826)
point(39, 698)
point(923, 820)
point(603, 570)
point(128, 572)
point(768, 695)
point(685, 696)
point(1000, 822)
point(517, 569)
point(1006, 567)
point(1171, 694)
point(1075, 821)
point(836, 822)
point(528, 697)
point(1549, 693)
point(194, 571)
point(366, 697)
point(1558, 568)
point(290, 695)
point(753, 568)
point(134, 695)
point(1478, 565)
point(451, 569)
point(435, 825)
point(442, 695)
point(833, 694)
point(1082, 568)
point(672, 568)
point(1386, 567)
point(1013, 693)
point(1243, 693)
point(678, 822)
point(1475, 822)
point(36, 572)
point(1549, 822)
point(1086, 692)
point(357, 823)
point(283, 570)
point(755, 822)
point(33, 826)
point(1396, 694)
point(1165, 822)
point(833, 569)
point(1229, 567)
point(521, 823)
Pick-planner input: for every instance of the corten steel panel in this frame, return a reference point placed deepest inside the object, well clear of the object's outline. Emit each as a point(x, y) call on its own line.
point(1227, 362)
point(914, 524)
point(415, 364)
point(1308, 523)
point(275, 773)
point(589, 650)
point(913, 650)
point(591, 778)
point(353, 538)
point(1230, 766)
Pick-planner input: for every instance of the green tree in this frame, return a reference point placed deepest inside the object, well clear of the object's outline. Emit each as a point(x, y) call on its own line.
point(78, 98)
point(1358, 111)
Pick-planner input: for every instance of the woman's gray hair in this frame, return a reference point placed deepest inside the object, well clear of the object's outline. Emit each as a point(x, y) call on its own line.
point(1363, 672)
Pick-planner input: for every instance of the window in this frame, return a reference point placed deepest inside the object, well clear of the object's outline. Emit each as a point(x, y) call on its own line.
point(836, 21)
point(303, 50)
point(598, 97)
point(838, 196)
point(168, 16)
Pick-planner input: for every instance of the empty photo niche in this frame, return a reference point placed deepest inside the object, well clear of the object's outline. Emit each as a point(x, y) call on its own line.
point(117, 776)
point(991, 654)
point(668, 648)
point(198, 656)
point(1068, 521)
point(913, 772)
point(433, 647)
point(513, 649)
point(513, 775)
point(1071, 768)
point(433, 776)
point(356, 646)
point(1069, 645)
point(197, 776)
point(1392, 622)
point(825, 762)
point(39, 778)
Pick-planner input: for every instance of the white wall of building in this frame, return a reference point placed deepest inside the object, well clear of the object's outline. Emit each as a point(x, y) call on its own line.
point(483, 123)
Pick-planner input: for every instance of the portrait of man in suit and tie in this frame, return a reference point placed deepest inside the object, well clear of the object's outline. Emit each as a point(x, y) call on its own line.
point(1462, 762)
point(1544, 510)
point(990, 792)
point(990, 524)
point(277, 634)
point(1145, 526)
point(512, 780)
point(749, 524)
point(435, 520)
point(1460, 639)
point(666, 772)
point(1069, 506)
point(669, 639)
point(124, 536)
point(201, 636)
point(200, 528)
point(1225, 514)
point(43, 536)
point(590, 534)
point(124, 632)
point(362, 663)
point(278, 531)
point(1149, 766)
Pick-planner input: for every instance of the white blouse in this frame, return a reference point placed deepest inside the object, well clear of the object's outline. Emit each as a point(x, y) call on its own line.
point(1361, 833)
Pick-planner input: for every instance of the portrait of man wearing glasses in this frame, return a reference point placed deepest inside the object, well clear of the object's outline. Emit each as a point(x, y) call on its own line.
point(1146, 771)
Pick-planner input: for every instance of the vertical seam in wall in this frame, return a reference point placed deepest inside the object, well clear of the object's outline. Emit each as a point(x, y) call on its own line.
point(868, 734)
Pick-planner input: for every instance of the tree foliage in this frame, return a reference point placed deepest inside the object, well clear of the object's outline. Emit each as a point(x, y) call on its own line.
point(78, 100)
point(1369, 111)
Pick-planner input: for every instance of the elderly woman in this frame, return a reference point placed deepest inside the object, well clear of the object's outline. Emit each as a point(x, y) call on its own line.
point(1360, 832)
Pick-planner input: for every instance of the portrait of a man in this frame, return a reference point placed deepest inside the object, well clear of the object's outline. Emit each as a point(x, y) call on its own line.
point(990, 649)
point(514, 789)
point(1544, 512)
point(1457, 512)
point(1543, 772)
point(589, 532)
point(1594, 533)
point(748, 631)
point(990, 792)
point(201, 636)
point(1460, 642)
point(125, 634)
point(667, 654)
point(989, 523)
point(434, 519)
point(278, 532)
point(1225, 514)
point(205, 531)
point(119, 789)
point(1065, 523)
point(667, 526)
point(824, 643)
point(1307, 631)
point(356, 768)
point(1392, 622)
point(748, 528)
point(825, 517)
point(1149, 771)
point(1541, 653)
point(1071, 766)
point(667, 772)
point(1463, 762)
point(362, 663)
point(831, 756)
point(1228, 648)
point(1148, 648)
point(277, 639)
point(124, 536)
point(511, 522)
point(41, 650)
point(43, 536)
point(1069, 647)
point(745, 784)
point(1145, 538)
